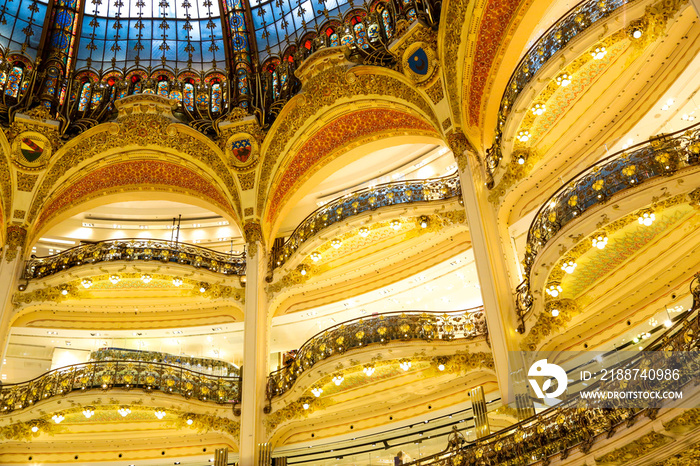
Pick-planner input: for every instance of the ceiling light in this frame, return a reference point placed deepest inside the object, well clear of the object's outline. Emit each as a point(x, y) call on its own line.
point(306, 405)
point(116, 227)
point(338, 379)
point(315, 256)
point(316, 391)
point(687, 117)
point(177, 281)
point(668, 323)
point(368, 370)
point(555, 312)
point(51, 332)
point(524, 136)
point(600, 241)
point(87, 283)
point(114, 279)
point(64, 291)
point(336, 243)
point(88, 225)
point(441, 367)
point(143, 227)
point(646, 219)
point(424, 220)
point(637, 33)
point(395, 224)
point(598, 52)
point(521, 159)
point(569, 266)
point(57, 418)
point(88, 412)
point(553, 290)
point(124, 411)
point(35, 429)
point(202, 287)
point(405, 365)
point(363, 231)
point(563, 79)
point(146, 278)
point(160, 414)
point(538, 109)
point(302, 269)
point(189, 422)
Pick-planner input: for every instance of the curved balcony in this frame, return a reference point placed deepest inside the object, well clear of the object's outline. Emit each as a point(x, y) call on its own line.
point(382, 329)
point(122, 375)
point(576, 21)
point(571, 424)
point(365, 200)
point(660, 156)
point(136, 250)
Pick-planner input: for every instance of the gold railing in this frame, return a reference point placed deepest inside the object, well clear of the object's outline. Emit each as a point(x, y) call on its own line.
point(377, 329)
point(577, 424)
point(121, 375)
point(135, 249)
point(576, 21)
point(383, 195)
point(660, 156)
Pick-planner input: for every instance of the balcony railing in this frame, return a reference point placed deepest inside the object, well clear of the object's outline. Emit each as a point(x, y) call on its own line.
point(381, 329)
point(136, 250)
point(577, 20)
point(560, 429)
point(663, 155)
point(122, 375)
point(383, 195)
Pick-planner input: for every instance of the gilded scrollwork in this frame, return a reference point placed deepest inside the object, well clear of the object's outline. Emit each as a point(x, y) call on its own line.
point(208, 423)
point(16, 237)
point(635, 449)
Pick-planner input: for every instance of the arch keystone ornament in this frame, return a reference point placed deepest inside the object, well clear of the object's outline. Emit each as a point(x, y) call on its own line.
point(242, 151)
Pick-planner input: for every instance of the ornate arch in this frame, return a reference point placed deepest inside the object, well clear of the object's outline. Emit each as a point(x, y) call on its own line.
point(338, 137)
point(331, 88)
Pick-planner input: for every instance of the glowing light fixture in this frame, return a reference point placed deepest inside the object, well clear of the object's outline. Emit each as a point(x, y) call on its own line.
point(646, 219)
point(424, 221)
point(338, 379)
point(177, 281)
point(317, 391)
point(668, 323)
point(395, 224)
point(35, 429)
point(555, 312)
point(124, 411)
point(114, 279)
point(600, 241)
point(521, 159)
point(368, 370)
point(363, 231)
point(306, 405)
point(88, 412)
point(57, 418)
point(598, 52)
point(203, 287)
point(553, 290)
point(405, 365)
point(336, 243)
point(87, 283)
point(146, 278)
point(569, 266)
point(563, 79)
point(160, 414)
point(441, 367)
point(302, 269)
point(64, 291)
point(189, 422)
point(538, 108)
point(524, 136)
point(315, 256)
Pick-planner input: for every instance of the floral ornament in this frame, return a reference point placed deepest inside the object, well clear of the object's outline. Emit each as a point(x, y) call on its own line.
point(573, 200)
point(629, 170)
point(598, 185)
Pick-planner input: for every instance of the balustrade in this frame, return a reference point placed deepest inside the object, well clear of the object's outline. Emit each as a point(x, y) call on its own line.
point(139, 250)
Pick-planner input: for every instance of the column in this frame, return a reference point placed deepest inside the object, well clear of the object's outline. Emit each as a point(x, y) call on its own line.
point(499, 304)
point(481, 419)
point(11, 268)
point(255, 352)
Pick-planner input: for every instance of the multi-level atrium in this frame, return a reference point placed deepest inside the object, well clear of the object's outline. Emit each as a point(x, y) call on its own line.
point(330, 233)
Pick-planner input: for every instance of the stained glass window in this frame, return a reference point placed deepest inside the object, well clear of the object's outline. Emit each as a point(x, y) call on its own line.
point(240, 44)
point(189, 96)
point(216, 97)
point(84, 97)
point(96, 99)
point(177, 95)
point(64, 31)
point(361, 35)
point(176, 32)
point(13, 81)
point(163, 88)
point(278, 22)
point(22, 21)
point(387, 23)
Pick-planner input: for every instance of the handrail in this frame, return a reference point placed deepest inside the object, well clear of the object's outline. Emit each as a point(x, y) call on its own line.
point(136, 249)
point(379, 328)
point(565, 426)
point(364, 200)
point(659, 156)
point(575, 21)
point(125, 375)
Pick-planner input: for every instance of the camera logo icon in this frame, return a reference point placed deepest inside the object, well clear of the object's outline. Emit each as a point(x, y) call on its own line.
point(543, 370)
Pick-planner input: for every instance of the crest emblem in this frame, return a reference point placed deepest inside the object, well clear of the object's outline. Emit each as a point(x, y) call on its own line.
point(241, 150)
point(418, 62)
point(31, 149)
